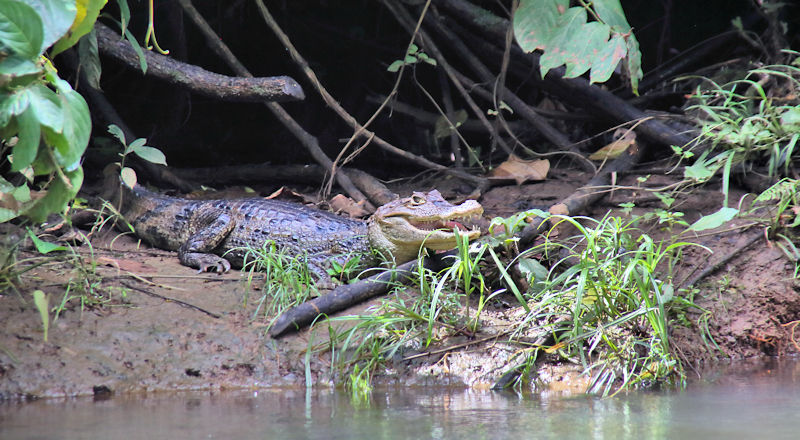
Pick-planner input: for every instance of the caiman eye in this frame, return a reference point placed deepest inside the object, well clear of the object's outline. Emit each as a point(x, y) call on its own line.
point(417, 200)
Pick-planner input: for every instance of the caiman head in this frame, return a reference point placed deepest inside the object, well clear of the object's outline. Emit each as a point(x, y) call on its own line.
point(399, 228)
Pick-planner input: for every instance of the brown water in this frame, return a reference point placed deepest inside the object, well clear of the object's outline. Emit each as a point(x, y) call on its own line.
point(752, 401)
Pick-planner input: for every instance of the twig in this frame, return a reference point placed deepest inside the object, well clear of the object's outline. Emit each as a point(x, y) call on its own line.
point(308, 140)
point(519, 106)
point(175, 300)
point(405, 20)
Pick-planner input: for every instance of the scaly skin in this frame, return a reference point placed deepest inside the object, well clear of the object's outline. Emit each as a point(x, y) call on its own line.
point(205, 231)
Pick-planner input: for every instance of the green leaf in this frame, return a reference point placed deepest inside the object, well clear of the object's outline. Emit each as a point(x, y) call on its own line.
point(395, 66)
point(117, 133)
point(607, 58)
point(535, 20)
point(57, 197)
point(57, 16)
point(580, 51)
point(27, 146)
point(77, 128)
point(124, 14)
point(14, 103)
point(128, 177)
point(89, 59)
point(568, 27)
point(151, 154)
point(136, 144)
point(610, 11)
point(41, 303)
point(44, 247)
point(714, 220)
point(634, 63)
point(15, 66)
point(89, 10)
point(21, 28)
point(138, 49)
point(46, 106)
point(791, 117)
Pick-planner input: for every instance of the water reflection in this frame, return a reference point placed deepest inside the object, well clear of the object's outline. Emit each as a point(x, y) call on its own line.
point(753, 402)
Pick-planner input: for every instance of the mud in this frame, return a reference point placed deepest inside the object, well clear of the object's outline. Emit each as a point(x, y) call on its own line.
point(168, 328)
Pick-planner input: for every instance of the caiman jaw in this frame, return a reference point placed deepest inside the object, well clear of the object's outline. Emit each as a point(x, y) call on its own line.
point(424, 219)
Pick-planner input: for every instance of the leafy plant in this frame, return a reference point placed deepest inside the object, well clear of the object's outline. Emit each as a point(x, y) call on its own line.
point(566, 37)
point(753, 119)
point(44, 123)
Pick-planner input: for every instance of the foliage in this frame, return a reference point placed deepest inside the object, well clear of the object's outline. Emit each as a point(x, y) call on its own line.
point(567, 38)
point(44, 124)
point(754, 119)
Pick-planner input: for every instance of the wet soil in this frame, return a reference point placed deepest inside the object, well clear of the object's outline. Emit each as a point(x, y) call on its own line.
point(169, 328)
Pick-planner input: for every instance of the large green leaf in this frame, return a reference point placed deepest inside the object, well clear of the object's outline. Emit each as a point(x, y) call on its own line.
point(28, 144)
point(15, 66)
point(57, 197)
point(535, 20)
point(714, 220)
point(606, 61)
point(88, 10)
point(13, 103)
point(57, 16)
point(610, 11)
point(21, 28)
point(70, 142)
point(46, 106)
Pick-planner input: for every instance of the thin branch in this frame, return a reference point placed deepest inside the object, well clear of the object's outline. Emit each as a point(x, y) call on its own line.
point(361, 130)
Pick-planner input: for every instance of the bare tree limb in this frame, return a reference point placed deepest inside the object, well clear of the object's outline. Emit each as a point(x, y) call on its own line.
point(196, 79)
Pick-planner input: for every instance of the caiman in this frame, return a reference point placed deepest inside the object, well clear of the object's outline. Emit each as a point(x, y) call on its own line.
point(214, 235)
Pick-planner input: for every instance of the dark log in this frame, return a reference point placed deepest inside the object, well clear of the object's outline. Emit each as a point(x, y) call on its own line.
point(196, 79)
point(348, 295)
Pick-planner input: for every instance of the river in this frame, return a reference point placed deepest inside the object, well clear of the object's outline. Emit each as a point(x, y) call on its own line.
point(755, 400)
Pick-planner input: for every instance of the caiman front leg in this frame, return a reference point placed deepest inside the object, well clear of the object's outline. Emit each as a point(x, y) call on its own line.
point(212, 227)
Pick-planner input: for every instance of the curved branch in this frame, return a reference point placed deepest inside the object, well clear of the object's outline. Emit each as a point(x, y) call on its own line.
point(198, 80)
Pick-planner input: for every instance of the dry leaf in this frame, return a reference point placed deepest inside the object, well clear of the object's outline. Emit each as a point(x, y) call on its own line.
point(340, 203)
point(614, 149)
point(521, 170)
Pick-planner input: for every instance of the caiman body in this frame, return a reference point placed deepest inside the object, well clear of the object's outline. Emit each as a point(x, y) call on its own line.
point(215, 234)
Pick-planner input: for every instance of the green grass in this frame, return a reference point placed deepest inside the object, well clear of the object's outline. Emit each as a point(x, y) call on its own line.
point(285, 280)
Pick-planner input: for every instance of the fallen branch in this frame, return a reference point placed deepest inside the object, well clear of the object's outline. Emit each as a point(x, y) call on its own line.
point(196, 79)
point(348, 295)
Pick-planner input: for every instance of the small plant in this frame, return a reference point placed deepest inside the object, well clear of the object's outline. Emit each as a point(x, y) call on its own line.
point(287, 280)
